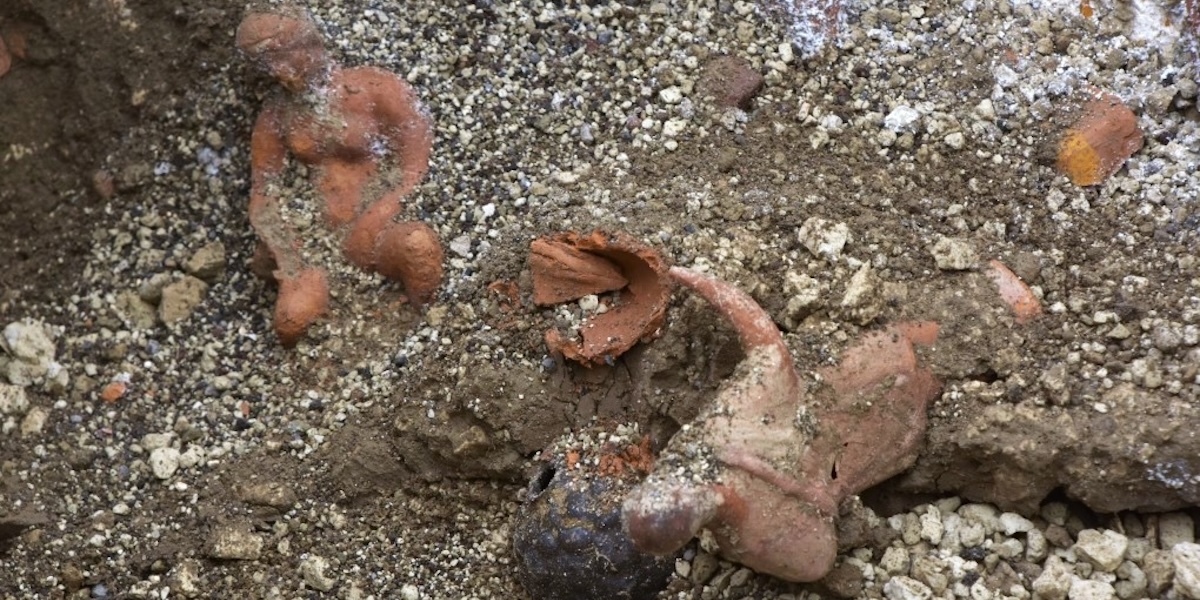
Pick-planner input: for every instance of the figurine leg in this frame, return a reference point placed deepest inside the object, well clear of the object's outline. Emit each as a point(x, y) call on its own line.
point(411, 253)
point(302, 299)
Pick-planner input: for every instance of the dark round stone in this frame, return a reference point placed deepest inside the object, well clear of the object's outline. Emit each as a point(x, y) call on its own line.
point(570, 544)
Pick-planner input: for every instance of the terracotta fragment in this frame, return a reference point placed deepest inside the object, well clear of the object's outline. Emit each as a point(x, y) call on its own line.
point(562, 273)
point(1099, 142)
point(1014, 292)
point(640, 310)
point(302, 299)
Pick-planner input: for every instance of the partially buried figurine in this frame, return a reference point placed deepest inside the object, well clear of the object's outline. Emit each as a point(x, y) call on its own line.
point(365, 138)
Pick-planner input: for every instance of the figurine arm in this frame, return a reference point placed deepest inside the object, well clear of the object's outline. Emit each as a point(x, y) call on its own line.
point(267, 156)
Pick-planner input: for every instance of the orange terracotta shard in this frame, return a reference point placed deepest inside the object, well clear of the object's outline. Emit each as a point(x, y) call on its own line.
point(1014, 292)
point(1100, 141)
point(636, 316)
point(563, 272)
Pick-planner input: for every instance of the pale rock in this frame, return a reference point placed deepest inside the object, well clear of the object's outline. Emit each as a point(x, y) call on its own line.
point(154, 441)
point(824, 238)
point(1159, 567)
point(1185, 556)
point(1175, 528)
point(906, 588)
point(953, 254)
point(803, 294)
point(1036, 547)
point(34, 421)
point(135, 312)
point(1055, 580)
point(207, 263)
point(233, 541)
point(930, 571)
point(186, 579)
point(1090, 589)
point(1131, 581)
point(164, 462)
point(314, 570)
point(895, 560)
point(931, 525)
point(180, 299)
point(1105, 549)
point(985, 515)
point(30, 346)
point(902, 119)
point(1012, 523)
point(862, 299)
point(13, 400)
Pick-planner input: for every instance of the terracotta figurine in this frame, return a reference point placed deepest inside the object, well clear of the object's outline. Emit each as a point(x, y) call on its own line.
point(366, 140)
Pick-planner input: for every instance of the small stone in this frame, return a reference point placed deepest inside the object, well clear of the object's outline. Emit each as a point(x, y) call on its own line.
point(134, 311)
point(1175, 528)
point(164, 462)
point(931, 572)
point(1159, 567)
point(862, 299)
point(274, 494)
point(34, 421)
point(1105, 549)
point(233, 541)
point(824, 238)
point(906, 588)
point(1090, 589)
point(180, 299)
point(844, 581)
point(704, 566)
point(313, 570)
point(1186, 559)
point(1055, 580)
point(185, 579)
point(902, 119)
point(895, 560)
point(953, 254)
point(31, 347)
point(13, 400)
point(956, 140)
point(207, 263)
point(410, 592)
point(1012, 523)
point(931, 526)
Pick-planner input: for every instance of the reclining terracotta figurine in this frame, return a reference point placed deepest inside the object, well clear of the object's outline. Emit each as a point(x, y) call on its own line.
point(367, 141)
point(767, 464)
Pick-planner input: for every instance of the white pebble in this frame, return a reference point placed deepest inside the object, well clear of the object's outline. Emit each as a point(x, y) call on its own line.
point(164, 462)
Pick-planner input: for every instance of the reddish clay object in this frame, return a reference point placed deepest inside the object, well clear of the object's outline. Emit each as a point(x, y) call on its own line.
point(731, 81)
point(766, 466)
point(563, 272)
point(302, 299)
point(638, 315)
point(1014, 292)
point(113, 391)
point(368, 144)
point(5, 58)
point(1096, 146)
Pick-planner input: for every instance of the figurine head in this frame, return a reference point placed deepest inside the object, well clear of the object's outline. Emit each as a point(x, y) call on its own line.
point(287, 43)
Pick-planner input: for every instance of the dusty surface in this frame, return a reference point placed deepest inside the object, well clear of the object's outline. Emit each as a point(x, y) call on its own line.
point(386, 454)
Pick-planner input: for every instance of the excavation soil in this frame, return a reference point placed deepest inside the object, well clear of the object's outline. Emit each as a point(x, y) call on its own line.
point(417, 484)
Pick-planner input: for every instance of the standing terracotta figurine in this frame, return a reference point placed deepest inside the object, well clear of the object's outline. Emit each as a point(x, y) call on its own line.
point(365, 138)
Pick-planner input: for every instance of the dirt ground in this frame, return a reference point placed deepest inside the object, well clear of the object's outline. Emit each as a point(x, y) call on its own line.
point(387, 454)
